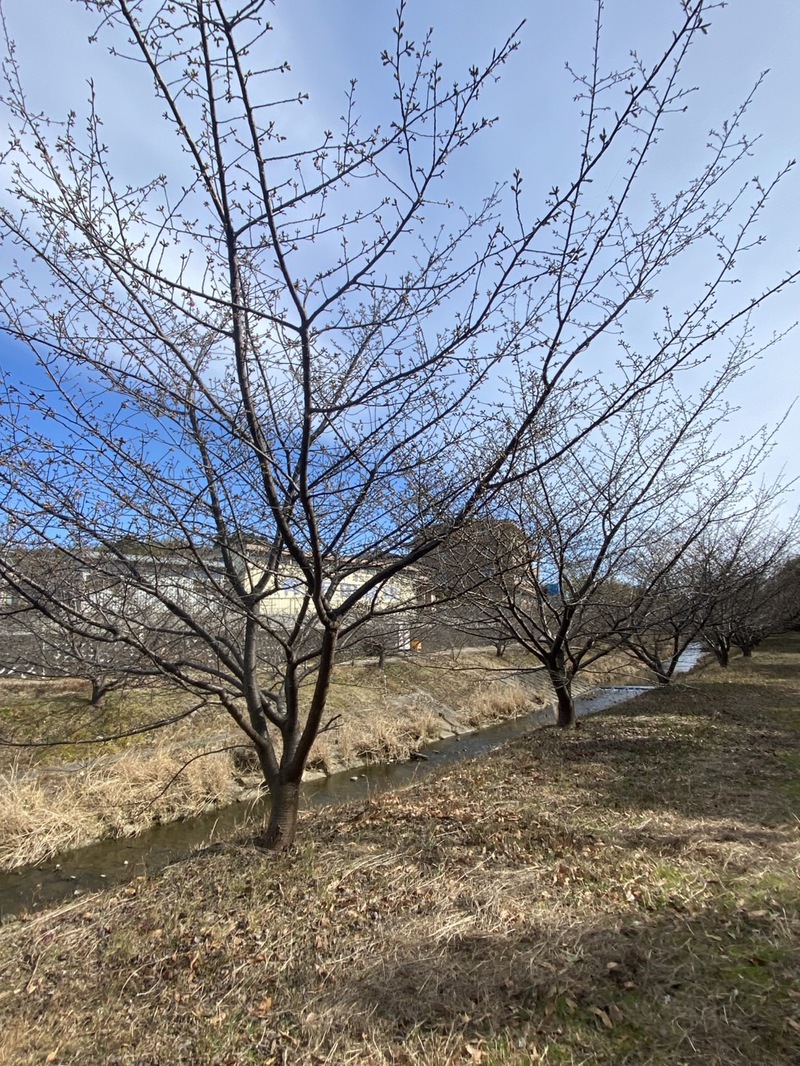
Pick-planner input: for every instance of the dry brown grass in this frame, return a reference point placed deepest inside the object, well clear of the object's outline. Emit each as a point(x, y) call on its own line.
point(384, 735)
point(498, 702)
point(41, 816)
point(37, 822)
point(628, 894)
point(385, 716)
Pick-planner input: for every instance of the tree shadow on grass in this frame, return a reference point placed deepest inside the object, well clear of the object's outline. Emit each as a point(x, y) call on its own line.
point(758, 667)
point(686, 952)
point(607, 992)
point(713, 734)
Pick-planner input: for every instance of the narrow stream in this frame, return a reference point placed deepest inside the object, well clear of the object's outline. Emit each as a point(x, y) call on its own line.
point(112, 862)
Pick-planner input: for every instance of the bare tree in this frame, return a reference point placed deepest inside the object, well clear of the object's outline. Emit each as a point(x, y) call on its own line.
point(649, 484)
point(65, 616)
point(290, 359)
point(739, 572)
point(667, 606)
point(34, 647)
point(471, 567)
point(786, 591)
point(678, 586)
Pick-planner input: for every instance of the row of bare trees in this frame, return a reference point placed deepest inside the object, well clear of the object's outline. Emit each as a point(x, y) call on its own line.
point(737, 585)
point(645, 538)
point(288, 357)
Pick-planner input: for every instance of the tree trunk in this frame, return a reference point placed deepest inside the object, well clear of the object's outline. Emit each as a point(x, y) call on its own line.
point(663, 677)
point(747, 651)
point(282, 825)
point(566, 718)
point(99, 690)
point(565, 704)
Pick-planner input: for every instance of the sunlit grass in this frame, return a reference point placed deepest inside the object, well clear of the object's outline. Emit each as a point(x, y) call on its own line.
point(624, 895)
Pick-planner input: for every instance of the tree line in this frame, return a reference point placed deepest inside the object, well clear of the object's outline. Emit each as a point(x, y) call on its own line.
point(310, 365)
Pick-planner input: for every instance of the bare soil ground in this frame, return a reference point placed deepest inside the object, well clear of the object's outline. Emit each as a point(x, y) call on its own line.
point(627, 894)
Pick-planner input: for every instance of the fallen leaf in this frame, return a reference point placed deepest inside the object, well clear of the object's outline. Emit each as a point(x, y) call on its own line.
point(604, 1018)
point(264, 1007)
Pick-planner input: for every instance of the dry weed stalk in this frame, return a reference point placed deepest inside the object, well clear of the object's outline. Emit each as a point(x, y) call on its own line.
point(41, 816)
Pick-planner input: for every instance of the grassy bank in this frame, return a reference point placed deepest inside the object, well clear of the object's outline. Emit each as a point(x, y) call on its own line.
point(56, 798)
point(629, 894)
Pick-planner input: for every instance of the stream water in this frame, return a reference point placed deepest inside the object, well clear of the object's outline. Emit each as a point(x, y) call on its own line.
point(112, 862)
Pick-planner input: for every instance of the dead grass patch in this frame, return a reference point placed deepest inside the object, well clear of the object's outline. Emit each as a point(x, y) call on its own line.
point(627, 894)
point(41, 816)
point(386, 735)
point(385, 716)
point(495, 704)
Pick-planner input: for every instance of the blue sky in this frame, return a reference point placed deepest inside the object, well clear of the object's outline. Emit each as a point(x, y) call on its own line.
point(330, 41)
